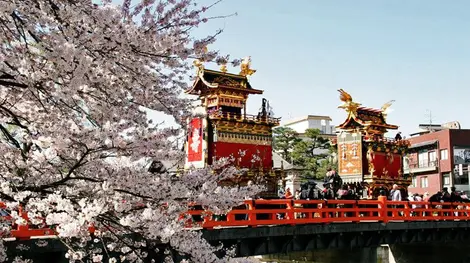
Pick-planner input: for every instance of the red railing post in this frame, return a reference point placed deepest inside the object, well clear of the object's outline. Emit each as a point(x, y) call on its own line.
point(383, 208)
point(407, 211)
point(251, 213)
point(290, 211)
point(231, 216)
point(207, 219)
point(23, 230)
point(356, 214)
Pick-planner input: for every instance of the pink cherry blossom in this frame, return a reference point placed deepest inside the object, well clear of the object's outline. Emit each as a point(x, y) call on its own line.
point(77, 82)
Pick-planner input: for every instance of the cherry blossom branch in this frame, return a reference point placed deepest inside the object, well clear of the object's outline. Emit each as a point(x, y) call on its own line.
point(74, 81)
point(12, 84)
point(7, 197)
point(11, 139)
point(16, 118)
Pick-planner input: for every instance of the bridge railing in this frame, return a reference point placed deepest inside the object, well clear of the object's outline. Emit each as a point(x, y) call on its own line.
point(25, 230)
point(255, 213)
point(294, 212)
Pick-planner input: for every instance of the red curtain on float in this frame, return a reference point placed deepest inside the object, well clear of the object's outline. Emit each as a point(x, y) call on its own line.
point(246, 155)
point(391, 163)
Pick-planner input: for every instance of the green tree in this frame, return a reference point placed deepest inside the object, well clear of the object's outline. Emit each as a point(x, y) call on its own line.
point(284, 140)
point(329, 162)
point(306, 155)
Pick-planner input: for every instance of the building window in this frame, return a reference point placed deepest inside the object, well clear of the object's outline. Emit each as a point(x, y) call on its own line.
point(406, 163)
point(414, 181)
point(444, 154)
point(432, 156)
point(460, 174)
point(446, 179)
point(424, 182)
point(423, 158)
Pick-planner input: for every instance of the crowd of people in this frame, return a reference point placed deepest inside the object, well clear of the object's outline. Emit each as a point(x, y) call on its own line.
point(443, 196)
point(333, 188)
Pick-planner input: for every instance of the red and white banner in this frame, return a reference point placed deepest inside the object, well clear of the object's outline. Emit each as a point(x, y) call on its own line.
point(195, 136)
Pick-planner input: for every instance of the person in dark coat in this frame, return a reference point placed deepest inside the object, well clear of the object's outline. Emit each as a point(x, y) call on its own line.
point(454, 195)
point(435, 198)
point(398, 136)
point(303, 191)
point(313, 193)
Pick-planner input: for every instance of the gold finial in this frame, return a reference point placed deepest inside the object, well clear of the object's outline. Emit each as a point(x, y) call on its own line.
point(245, 67)
point(199, 63)
point(349, 105)
point(223, 68)
point(386, 108)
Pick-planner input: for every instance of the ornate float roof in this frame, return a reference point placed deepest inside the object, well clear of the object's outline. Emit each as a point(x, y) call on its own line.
point(208, 80)
point(366, 119)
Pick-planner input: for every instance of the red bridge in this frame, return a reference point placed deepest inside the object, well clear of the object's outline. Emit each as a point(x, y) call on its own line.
point(258, 213)
point(255, 213)
point(357, 230)
point(260, 227)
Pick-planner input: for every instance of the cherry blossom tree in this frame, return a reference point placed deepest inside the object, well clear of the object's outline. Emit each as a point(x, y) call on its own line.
point(78, 79)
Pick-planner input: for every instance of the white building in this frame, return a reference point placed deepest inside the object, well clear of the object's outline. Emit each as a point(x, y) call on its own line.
point(300, 125)
point(323, 123)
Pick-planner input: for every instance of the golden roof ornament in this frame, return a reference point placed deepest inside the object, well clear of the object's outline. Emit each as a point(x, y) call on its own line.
point(245, 69)
point(349, 105)
point(199, 63)
point(386, 108)
point(223, 67)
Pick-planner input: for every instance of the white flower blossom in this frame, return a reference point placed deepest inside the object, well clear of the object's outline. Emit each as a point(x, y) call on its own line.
point(79, 82)
point(97, 258)
point(126, 250)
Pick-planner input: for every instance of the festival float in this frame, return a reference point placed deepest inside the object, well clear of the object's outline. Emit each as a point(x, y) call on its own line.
point(227, 131)
point(365, 155)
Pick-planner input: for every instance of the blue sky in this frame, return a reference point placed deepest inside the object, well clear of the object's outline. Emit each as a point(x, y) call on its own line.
point(415, 52)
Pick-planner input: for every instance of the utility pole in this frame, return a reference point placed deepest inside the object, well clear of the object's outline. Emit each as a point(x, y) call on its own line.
point(430, 118)
point(289, 115)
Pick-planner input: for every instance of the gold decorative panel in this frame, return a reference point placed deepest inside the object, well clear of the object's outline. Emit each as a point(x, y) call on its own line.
point(244, 138)
point(242, 127)
point(226, 81)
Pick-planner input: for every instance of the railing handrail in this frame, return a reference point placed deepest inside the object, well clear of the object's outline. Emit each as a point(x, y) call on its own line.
point(423, 164)
point(266, 212)
point(261, 212)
